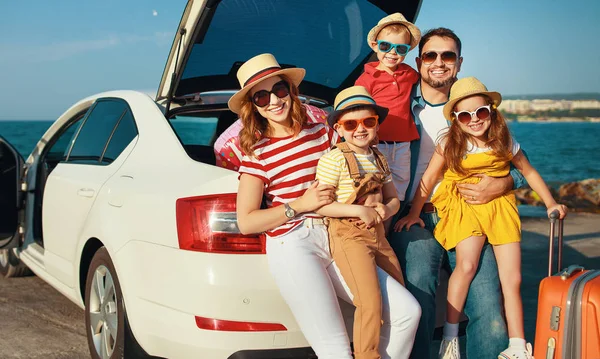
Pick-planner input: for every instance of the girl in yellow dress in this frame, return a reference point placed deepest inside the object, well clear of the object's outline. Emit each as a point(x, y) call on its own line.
point(478, 142)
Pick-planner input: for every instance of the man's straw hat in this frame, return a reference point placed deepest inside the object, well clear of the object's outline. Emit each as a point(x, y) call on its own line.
point(352, 97)
point(467, 87)
point(395, 18)
point(258, 68)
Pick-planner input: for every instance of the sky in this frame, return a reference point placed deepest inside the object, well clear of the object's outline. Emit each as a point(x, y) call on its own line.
point(54, 53)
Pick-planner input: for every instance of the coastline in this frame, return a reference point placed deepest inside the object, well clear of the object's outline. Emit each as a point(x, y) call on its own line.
point(529, 119)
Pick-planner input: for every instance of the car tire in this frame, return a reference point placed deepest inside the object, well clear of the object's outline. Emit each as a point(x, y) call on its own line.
point(104, 309)
point(11, 266)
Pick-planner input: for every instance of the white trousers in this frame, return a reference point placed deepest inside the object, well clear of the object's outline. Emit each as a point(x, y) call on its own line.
point(398, 157)
point(310, 283)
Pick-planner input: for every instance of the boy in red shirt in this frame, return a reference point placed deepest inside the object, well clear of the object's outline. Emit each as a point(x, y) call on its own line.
point(389, 81)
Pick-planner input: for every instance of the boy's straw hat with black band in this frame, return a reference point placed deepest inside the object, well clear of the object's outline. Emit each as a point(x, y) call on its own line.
point(467, 87)
point(395, 18)
point(355, 96)
point(258, 68)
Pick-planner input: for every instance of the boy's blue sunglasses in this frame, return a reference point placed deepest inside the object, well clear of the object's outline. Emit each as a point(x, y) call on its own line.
point(386, 46)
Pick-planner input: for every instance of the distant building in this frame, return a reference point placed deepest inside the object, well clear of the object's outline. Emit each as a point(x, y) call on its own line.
point(515, 106)
point(524, 107)
point(585, 104)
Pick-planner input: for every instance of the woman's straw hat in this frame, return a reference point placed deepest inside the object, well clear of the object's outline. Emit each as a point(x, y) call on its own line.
point(395, 18)
point(355, 96)
point(467, 87)
point(258, 68)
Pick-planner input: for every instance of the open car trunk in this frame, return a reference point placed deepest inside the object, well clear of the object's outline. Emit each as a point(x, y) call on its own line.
point(326, 38)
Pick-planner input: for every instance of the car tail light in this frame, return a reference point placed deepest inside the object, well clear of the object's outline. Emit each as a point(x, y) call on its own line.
point(231, 326)
point(209, 224)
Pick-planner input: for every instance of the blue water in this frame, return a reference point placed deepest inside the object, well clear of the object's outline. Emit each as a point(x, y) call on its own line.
point(561, 152)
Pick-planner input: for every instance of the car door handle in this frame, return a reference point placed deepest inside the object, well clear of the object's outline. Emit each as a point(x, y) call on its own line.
point(86, 192)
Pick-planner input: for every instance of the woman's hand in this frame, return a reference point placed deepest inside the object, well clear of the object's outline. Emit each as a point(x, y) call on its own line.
point(407, 222)
point(561, 208)
point(315, 197)
point(369, 216)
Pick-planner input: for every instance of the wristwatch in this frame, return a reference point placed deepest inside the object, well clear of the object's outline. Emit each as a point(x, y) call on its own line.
point(289, 211)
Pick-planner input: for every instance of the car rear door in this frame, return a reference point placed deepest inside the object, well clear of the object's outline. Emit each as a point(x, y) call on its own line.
point(73, 185)
point(11, 165)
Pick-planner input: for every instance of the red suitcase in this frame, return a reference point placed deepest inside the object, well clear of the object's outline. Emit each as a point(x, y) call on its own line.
point(568, 317)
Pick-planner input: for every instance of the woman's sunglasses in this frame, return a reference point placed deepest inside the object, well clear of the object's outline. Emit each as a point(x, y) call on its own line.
point(482, 113)
point(367, 122)
point(386, 46)
point(448, 57)
point(263, 97)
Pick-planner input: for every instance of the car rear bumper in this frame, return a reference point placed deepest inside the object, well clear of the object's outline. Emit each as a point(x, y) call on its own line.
point(166, 288)
point(292, 353)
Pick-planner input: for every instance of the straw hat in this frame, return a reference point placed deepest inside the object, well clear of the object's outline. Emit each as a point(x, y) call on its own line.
point(468, 87)
point(352, 97)
point(395, 18)
point(258, 68)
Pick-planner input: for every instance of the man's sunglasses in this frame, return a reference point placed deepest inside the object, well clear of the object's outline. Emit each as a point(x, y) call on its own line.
point(448, 57)
point(465, 117)
point(386, 46)
point(263, 97)
point(367, 122)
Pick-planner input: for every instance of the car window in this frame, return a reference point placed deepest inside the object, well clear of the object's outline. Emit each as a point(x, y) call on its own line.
point(196, 130)
point(58, 151)
point(125, 132)
point(90, 141)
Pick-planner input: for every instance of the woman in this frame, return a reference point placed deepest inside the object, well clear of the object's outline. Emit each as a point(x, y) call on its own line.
point(281, 154)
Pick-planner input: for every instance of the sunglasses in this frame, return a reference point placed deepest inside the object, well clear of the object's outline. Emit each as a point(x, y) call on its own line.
point(263, 97)
point(386, 46)
point(448, 57)
point(482, 113)
point(367, 122)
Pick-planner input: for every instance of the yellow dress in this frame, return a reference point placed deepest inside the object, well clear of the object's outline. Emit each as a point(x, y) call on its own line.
point(497, 219)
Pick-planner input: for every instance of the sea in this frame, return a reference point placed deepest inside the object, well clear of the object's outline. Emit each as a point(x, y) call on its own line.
point(561, 151)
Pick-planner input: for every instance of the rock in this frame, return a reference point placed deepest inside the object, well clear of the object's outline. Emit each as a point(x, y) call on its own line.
point(529, 197)
point(582, 196)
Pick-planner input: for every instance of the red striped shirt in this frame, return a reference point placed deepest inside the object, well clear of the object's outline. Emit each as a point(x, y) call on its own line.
point(287, 166)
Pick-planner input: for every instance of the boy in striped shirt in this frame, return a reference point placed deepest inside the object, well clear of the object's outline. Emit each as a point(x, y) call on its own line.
point(365, 196)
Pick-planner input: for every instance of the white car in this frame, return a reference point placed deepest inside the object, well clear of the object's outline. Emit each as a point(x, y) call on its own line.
point(122, 209)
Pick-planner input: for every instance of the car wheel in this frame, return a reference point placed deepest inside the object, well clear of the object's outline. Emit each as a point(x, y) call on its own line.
point(104, 309)
point(11, 265)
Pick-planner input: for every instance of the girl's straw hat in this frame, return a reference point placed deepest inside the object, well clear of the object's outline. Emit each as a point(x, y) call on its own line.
point(467, 87)
point(355, 96)
point(395, 18)
point(258, 68)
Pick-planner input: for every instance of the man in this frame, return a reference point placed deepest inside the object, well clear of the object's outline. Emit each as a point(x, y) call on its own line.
point(420, 255)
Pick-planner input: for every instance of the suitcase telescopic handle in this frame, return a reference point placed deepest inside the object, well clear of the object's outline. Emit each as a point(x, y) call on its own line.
point(554, 215)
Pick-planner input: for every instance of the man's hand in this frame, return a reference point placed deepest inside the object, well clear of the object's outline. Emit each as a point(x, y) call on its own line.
point(407, 222)
point(486, 190)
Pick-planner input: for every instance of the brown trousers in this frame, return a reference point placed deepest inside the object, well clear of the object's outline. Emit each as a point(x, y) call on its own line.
point(357, 251)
